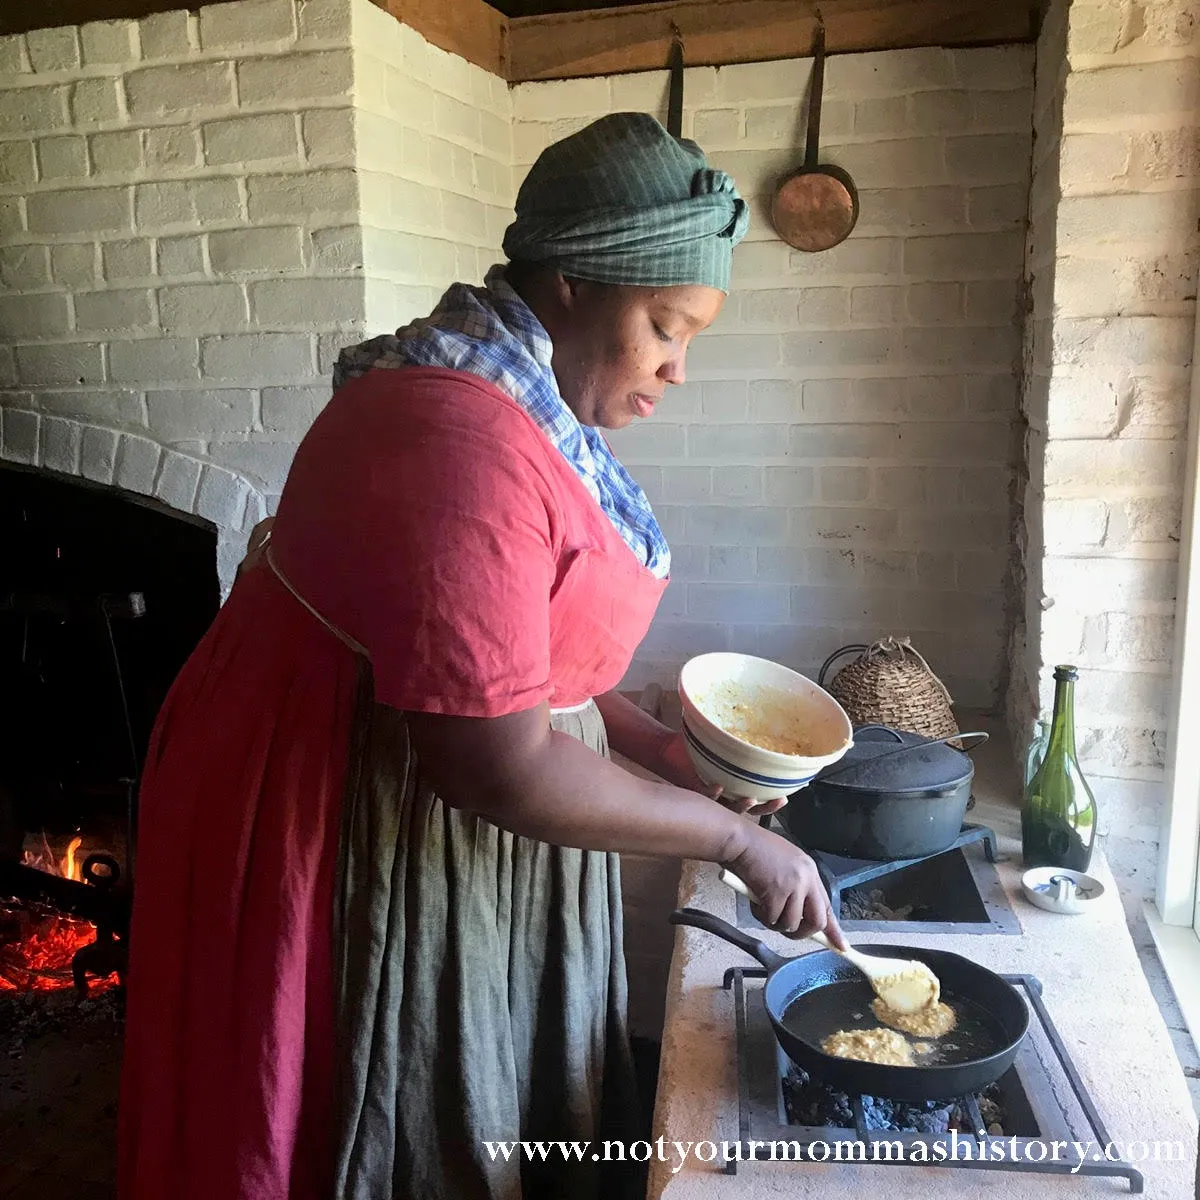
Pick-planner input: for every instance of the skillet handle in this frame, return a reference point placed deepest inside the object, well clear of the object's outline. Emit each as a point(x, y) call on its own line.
point(699, 919)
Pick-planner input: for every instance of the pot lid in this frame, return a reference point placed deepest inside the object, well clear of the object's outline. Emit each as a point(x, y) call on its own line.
point(892, 760)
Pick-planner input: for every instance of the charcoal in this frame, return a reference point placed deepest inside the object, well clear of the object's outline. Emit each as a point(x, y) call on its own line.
point(990, 1108)
point(861, 904)
point(808, 1101)
point(928, 1116)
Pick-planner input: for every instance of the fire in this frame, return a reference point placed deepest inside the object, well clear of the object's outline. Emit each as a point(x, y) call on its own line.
point(70, 868)
point(40, 960)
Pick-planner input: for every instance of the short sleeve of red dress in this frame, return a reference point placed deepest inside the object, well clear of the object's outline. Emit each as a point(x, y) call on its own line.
point(420, 518)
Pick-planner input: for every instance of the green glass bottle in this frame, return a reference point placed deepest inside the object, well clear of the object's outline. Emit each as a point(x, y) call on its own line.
point(1058, 810)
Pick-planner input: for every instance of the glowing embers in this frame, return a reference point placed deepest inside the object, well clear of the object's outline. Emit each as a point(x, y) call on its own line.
point(44, 948)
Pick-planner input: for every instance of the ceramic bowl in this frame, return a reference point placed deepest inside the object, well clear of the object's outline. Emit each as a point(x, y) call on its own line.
point(731, 700)
point(1060, 890)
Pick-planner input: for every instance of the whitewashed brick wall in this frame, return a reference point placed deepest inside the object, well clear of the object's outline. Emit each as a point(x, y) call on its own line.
point(1022, 701)
point(175, 195)
point(434, 136)
point(1113, 262)
point(198, 210)
point(839, 465)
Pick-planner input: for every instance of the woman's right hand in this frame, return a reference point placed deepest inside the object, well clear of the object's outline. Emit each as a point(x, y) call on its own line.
point(791, 897)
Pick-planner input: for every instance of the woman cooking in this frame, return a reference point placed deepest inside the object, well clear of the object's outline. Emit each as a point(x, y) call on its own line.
point(378, 908)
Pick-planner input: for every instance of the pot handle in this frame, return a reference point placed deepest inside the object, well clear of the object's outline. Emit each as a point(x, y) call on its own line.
point(983, 737)
point(699, 919)
point(833, 658)
point(885, 728)
point(953, 737)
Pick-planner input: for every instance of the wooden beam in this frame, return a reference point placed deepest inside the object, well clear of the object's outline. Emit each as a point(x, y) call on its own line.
point(471, 29)
point(611, 41)
point(608, 41)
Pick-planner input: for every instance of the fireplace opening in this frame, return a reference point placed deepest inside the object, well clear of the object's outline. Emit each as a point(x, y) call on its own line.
point(103, 595)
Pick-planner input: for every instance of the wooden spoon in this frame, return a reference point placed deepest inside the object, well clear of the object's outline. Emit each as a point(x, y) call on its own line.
point(903, 984)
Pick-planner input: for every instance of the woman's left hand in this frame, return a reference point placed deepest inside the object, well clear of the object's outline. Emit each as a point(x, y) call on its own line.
point(675, 766)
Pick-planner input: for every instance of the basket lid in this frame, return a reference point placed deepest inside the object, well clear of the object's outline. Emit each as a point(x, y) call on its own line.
point(872, 764)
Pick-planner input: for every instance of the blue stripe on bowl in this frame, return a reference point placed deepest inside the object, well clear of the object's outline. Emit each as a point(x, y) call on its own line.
point(740, 772)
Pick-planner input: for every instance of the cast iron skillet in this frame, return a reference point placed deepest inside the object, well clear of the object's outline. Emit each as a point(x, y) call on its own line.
point(812, 996)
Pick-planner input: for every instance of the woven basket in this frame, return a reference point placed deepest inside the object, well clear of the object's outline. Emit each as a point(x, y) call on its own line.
point(891, 684)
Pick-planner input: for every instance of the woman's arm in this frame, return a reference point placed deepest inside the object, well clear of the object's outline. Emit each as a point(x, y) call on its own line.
point(634, 733)
point(639, 737)
point(518, 773)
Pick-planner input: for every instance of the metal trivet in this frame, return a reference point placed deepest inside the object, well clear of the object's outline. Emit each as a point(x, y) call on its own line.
point(1057, 1115)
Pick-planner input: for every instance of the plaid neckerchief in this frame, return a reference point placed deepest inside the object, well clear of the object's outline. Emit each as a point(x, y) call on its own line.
point(490, 332)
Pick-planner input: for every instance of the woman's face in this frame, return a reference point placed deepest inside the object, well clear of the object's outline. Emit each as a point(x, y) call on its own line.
point(616, 348)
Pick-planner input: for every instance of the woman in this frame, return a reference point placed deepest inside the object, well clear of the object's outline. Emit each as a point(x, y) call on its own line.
point(378, 908)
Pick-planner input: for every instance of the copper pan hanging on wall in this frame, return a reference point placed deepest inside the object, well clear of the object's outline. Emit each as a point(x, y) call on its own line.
point(816, 206)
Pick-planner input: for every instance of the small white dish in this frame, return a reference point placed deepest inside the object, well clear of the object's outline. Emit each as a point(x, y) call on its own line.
point(1060, 890)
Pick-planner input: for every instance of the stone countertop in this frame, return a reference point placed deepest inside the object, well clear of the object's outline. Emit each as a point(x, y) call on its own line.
point(1094, 990)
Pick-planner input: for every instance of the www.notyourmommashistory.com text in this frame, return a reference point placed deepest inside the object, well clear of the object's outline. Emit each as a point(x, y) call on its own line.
point(951, 1147)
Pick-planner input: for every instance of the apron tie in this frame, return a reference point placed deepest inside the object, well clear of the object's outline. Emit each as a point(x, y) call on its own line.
point(341, 635)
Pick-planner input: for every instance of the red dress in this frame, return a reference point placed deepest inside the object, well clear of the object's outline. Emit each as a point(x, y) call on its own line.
point(429, 520)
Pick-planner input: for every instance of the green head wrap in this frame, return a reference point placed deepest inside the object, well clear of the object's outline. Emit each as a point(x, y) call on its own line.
point(623, 201)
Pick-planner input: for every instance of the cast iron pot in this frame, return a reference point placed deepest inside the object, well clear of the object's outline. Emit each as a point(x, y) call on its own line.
point(893, 795)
